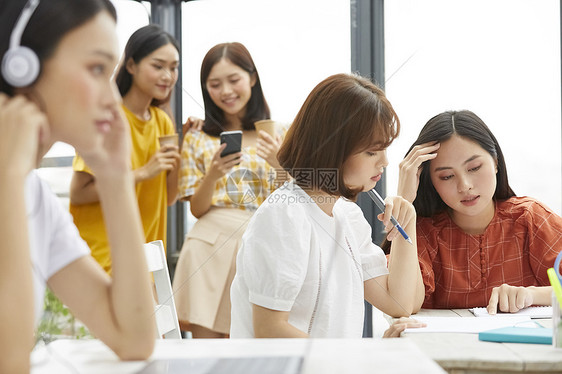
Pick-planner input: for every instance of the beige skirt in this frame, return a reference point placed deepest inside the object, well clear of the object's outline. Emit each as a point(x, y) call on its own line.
point(206, 268)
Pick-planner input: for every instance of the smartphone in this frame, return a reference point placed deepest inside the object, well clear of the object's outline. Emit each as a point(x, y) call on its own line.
point(233, 140)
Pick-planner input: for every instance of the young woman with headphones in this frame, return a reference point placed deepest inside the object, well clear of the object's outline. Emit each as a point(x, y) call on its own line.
point(64, 92)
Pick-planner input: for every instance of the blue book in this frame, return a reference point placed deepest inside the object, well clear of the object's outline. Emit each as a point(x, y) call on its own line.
point(513, 334)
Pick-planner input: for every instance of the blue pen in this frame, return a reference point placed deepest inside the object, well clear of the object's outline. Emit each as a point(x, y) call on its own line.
point(374, 195)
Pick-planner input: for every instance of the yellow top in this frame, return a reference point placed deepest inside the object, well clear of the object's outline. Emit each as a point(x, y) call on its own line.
point(151, 194)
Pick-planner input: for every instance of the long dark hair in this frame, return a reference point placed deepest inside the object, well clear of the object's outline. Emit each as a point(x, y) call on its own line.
point(142, 42)
point(256, 109)
point(467, 125)
point(343, 115)
point(50, 22)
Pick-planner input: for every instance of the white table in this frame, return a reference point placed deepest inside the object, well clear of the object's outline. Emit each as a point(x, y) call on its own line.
point(321, 355)
point(464, 353)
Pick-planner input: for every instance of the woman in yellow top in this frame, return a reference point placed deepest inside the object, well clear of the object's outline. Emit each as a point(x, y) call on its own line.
point(145, 80)
point(223, 191)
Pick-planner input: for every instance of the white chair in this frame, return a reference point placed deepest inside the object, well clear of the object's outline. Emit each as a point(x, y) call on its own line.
point(165, 310)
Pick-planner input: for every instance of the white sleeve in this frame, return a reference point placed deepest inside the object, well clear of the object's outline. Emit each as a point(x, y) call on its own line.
point(276, 247)
point(65, 244)
point(373, 259)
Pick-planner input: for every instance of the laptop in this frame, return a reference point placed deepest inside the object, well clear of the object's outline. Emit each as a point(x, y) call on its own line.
point(226, 365)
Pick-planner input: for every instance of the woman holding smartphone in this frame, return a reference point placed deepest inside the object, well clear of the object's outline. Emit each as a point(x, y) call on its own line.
point(223, 191)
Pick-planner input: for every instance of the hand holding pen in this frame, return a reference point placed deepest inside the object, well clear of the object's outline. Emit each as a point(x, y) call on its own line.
point(379, 202)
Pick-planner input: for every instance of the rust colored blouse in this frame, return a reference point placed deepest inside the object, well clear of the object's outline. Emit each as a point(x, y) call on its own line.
point(460, 270)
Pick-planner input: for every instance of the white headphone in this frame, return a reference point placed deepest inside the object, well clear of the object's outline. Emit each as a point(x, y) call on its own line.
point(20, 65)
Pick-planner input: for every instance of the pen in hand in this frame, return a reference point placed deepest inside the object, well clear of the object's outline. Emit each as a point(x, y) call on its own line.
point(378, 200)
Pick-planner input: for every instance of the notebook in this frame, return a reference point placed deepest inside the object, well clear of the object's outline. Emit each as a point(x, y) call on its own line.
point(226, 365)
point(515, 334)
point(532, 311)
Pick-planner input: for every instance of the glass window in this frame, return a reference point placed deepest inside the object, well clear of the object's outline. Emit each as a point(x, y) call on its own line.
point(500, 59)
point(295, 44)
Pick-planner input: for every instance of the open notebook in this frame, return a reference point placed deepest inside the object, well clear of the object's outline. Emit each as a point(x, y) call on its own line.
point(227, 365)
point(533, 312)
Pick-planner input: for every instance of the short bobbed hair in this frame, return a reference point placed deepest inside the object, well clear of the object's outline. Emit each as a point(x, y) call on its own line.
point(256, 108)
point(343, 115)
point(469, 126)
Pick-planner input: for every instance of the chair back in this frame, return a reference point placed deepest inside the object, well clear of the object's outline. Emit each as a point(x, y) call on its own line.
point(165, 308)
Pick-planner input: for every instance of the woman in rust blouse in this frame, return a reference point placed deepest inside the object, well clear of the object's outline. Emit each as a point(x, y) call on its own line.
point(478, 243)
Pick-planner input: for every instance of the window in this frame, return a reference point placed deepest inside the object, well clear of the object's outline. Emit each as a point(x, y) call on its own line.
point(295, 44)
point(500, 59)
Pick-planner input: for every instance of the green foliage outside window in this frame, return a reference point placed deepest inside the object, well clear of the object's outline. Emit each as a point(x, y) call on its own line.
point(58, 322)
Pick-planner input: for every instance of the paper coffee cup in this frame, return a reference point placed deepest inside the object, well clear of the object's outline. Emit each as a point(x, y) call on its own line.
point(168, 139)
point(266, 125)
